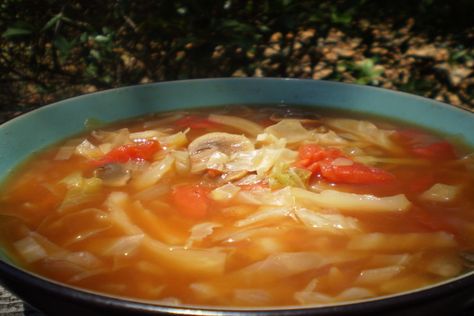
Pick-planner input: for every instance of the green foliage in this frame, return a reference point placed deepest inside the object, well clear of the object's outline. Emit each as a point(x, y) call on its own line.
point(47, 44)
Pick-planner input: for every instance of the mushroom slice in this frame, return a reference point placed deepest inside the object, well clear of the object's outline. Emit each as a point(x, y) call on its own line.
point(201, 149)
point(113, 174)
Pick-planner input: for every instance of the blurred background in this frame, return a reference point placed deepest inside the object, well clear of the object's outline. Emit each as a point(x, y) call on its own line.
point(51, 49)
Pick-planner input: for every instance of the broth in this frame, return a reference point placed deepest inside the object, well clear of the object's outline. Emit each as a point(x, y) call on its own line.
point(224, 206)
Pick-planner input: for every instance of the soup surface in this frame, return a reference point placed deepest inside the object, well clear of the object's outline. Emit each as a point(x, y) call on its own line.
point(244, 206)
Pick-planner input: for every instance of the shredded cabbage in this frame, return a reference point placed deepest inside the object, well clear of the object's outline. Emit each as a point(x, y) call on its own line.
point(201, 231)
point(80, 190)
point(329, 138)
point(264, 214)
point(344, 201)
point(283, 175)
point(286, 264)
point(365, 131)
point(194, 261)
point(174, 141)
point(116, 138)
point(148, 134)
point(123, 246)
point(76, 226)
point(289, 129)
point(310, 295)
point(331, 223)
point(225, 192)
point(239, 123)
point(255, 297)
point(152, 192)
point(153, 173)
point(282, 197)
point(440, 192)
point(29, 249)
point(182, 162)
point(88, 150)
point(378, 275)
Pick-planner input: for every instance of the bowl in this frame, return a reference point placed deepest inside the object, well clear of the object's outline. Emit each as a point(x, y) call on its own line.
point(21, 137)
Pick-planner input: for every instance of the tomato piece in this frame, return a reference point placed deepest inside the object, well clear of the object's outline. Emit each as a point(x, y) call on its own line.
point(320, 161)
point(354, 174)
point(191, 200)
point(309, 154)
point(421, 183)
point(424, 145)
point(213, 173)
point(441, 150)
point(139, 151)
point(195, 122)
point(431, 221)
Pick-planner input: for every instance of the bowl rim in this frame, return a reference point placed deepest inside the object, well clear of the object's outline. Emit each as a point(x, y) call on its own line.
point(96, 299)
point(237, 79)
point(378, 303)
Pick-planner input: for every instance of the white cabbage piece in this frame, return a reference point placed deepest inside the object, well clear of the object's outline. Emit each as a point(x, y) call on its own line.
point(445, 265)
point(152, 192)
point(249, 233)
point(174, 141)
point(289, 129)
point(310, 296)
point(29, 249)
point(182, 163)
point(147, 135)
point(244, 125)
point(286, 264)
point(225, 192)
point(205, 290)
point(440, 192)
point(254, 297)
point(80, 190)
point(153, 173)
point(355, 293)
point(282, 197)
point(166, 233)
point(329, 138)
point(270, 141)
point(330, 223)
point(383, 260)
point(194, 261)
point(65, 152)
point(200, 231)
point(259, 160)
point(264, 214)
point(76, 226)
point(74, 266)
point(344, 201)
point(283, 265)
point(164, 119)
point(123, 246)
point(364, 131)
point(88, 150)
point(378, 275)
point(402, 242)
point(36, 248)
point(115, 138)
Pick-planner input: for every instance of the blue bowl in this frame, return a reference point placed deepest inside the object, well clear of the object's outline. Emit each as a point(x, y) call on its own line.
point(21, 137)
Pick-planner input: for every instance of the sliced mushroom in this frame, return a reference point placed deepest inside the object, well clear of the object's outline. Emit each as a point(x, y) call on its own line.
point(113, 174)
point(201, 149)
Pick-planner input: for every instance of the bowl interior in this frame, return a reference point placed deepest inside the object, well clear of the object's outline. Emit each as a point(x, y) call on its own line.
point(23, 136)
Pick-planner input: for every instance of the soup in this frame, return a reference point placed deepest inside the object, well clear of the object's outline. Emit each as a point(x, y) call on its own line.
point(244, 207)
